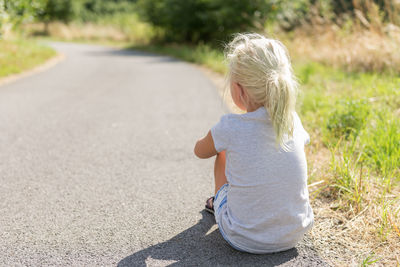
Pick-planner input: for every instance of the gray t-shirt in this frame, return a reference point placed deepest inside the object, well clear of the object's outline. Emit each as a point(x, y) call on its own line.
point(267, 208)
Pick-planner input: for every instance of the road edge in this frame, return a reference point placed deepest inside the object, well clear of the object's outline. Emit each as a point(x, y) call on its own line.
point(37, 69)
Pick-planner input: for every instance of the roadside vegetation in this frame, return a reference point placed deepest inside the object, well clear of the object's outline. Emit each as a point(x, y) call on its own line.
point(19, 55)
point(345, 54)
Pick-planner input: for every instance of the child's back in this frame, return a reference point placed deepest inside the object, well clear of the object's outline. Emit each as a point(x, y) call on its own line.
point(267, 207)
point(261, 203)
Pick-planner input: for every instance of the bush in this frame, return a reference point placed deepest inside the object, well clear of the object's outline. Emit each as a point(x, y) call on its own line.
point(291, 14)
point(84, 10)
point(204, 20)
point(94, 10)
point(61, 10)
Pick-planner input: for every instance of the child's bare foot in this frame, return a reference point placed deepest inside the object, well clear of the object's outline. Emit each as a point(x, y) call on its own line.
point(210, 205)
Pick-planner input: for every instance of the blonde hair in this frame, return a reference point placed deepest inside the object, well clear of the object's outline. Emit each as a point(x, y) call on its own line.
point(262, 66)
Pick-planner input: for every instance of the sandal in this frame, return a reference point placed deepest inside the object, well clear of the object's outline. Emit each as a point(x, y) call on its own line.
point(210, 205)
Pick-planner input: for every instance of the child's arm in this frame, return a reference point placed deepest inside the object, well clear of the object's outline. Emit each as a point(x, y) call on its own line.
point(205, 147)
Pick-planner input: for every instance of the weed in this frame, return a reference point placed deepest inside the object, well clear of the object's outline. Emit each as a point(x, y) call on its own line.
point(348, 176)
point(370, 259)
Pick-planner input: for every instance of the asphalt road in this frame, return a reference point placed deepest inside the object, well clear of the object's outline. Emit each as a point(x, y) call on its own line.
point(97, 166)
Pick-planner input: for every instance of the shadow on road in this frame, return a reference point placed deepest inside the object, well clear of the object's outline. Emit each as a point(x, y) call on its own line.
point(195, 247)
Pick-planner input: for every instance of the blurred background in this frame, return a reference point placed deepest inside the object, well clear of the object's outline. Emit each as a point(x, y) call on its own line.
point(345, 54)
point(355, 34)
point(213, 21)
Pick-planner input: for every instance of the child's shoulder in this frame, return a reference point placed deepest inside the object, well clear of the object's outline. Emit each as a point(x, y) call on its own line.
point(230, 120)
point(226, 118)
point(228, 123)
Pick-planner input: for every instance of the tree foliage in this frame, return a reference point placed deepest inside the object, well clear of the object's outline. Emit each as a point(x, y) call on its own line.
point(203, 20)
point(91, 10)
point(61, 10)
point(14, 12)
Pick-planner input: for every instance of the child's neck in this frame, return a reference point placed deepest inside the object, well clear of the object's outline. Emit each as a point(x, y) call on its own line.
point(252, 107)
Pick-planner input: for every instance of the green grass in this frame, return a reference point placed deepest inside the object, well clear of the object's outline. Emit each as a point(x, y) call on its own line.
point(19, 55)
point(361, 109)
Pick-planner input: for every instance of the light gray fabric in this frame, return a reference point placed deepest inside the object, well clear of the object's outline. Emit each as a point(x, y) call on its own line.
point(267, 207)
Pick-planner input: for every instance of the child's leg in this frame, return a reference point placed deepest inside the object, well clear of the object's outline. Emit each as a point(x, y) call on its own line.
point(219, 171)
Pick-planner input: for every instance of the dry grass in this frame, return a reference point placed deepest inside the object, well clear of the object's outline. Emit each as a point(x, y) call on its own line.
point(130, 30)
point(350, 237)
point(367, 41)
point(88, 31)
point(77, 32)
point(359, 50)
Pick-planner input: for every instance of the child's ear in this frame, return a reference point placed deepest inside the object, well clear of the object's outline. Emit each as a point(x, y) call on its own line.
point(241, 90)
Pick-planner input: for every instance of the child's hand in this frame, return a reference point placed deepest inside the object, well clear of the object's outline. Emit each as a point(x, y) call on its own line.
point(205, 147)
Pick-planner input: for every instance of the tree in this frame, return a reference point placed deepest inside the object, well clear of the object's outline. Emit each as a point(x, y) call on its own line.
point(14, 12)
point(203, 20)
point(56, 10)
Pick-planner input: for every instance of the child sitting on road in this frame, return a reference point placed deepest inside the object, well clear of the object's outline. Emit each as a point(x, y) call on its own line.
point(261, 201)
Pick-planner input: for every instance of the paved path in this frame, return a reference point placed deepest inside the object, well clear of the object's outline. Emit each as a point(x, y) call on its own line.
point(96, 166)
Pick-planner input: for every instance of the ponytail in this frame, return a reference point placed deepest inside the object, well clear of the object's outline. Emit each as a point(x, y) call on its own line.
point(280, 100)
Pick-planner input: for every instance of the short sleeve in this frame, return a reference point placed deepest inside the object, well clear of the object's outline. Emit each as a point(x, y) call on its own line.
point(304, 133)
point(220, 134)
